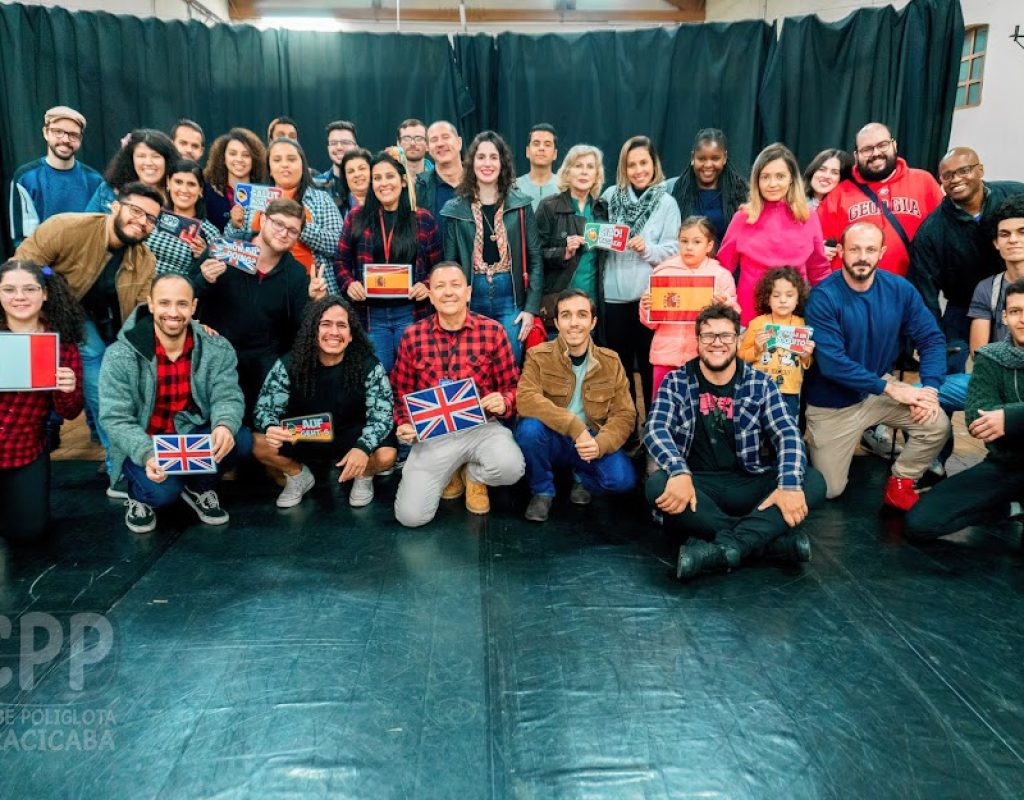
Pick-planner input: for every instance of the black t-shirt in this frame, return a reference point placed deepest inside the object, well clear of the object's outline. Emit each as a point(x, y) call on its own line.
point(343, 397)
point(490, 250)
point(714, 437)
point(100, 302)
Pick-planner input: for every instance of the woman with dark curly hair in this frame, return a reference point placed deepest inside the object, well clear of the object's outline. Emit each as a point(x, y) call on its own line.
point(710, 186)
point(145, 155)
point(237, 156)
point(35, 299)
point(491, 231)
point(354, 180)
point(330, 370)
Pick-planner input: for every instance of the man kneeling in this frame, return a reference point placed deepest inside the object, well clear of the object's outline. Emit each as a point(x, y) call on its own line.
point(575, 411)
point(166, 375)
point(706, 430)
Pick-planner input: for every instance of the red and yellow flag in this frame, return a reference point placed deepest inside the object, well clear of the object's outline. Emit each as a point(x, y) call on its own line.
point(679, 298)
point(388, 280)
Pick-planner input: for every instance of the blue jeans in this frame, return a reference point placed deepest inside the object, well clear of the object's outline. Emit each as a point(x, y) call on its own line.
point(161, 495)
point(545, 451)
point(953, 392)
point(956, 327)
point(496, 300)
point(92, 350)
point(385, 326)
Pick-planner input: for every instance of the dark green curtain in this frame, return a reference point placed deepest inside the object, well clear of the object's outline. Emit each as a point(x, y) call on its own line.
point(824, 81)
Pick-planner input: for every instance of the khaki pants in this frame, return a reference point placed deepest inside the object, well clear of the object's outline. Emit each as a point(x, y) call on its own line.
point(833, 433)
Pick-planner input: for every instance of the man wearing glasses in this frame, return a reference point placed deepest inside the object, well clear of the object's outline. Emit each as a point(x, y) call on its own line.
point(57, 182)
point(341, 139)
point(412, 138)
point(882, 190)
point(258, 312)
point(706, 431)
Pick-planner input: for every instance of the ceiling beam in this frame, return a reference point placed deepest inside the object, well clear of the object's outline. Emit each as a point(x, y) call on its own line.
point(688, 5)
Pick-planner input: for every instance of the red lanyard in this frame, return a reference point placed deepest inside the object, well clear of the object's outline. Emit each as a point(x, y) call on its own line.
point(387, 237)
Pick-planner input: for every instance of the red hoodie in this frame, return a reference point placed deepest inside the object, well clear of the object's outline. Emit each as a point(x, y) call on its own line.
point(911, 195)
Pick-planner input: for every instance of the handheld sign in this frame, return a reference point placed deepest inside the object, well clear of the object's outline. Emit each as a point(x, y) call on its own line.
point(242, 255)
point(190, 454)
point(388, 281)
point(679, 298)
point(28, 361)
point(311, 428)
point(444, 409)
point(184, 228)
point(256, 196)
point(606, 236)
point(793, 338)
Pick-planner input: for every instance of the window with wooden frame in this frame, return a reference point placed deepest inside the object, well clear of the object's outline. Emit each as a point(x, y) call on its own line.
point(972, 67)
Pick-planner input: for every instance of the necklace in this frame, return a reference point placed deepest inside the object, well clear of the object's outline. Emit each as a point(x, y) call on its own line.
point(489, 224)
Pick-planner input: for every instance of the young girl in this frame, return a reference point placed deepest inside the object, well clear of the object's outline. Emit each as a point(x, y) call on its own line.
point(779, 298)
point(676, 343)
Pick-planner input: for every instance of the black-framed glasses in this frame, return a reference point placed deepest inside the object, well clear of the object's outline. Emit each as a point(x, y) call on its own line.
point(724, 338)
point(341, 143)
point(137, 213)
point(959, 172)
point(871, 149)
point(60, 133)
point(283, 227)
point(413, 139)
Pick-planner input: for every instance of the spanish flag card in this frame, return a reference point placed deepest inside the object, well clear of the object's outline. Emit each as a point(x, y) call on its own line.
point(679, 298)
point(388, 281)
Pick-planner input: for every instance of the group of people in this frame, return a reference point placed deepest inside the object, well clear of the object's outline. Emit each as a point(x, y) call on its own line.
point(828, 277)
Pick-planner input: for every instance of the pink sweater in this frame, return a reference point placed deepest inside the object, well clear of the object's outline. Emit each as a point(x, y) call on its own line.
point(676, 343)
point(775, 240)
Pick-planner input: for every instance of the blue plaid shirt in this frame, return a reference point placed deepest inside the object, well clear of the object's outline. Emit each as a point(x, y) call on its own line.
point(759, 416)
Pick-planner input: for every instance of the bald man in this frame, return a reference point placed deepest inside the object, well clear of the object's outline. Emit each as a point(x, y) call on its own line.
point(881, 179)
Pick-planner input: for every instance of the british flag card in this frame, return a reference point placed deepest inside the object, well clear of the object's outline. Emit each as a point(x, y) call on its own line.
point(190, 454)
point(448, 408)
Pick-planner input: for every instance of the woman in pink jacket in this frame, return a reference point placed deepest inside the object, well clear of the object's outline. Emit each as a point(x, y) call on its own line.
point(775, 229)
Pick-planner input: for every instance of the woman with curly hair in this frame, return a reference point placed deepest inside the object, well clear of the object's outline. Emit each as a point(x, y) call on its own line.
point(35, 299)
point(145, 155)
point(710, 186)
point(184, 198)
point(237, 156)
point(491, 231)
point(330, 370)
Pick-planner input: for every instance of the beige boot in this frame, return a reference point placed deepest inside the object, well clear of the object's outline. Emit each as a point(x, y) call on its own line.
point(456, 485)
point(477, 501)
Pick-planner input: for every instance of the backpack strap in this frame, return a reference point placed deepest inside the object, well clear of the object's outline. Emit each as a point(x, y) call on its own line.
point(886, 212)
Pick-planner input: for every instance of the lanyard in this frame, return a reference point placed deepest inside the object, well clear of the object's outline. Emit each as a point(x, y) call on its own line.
point(386, 237)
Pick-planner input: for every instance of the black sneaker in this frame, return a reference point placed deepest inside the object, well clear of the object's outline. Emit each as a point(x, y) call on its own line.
point(793, 546)
point(579, 496)
point(139, 518)
point(699, 556)
point(537, 510)
point(206, 505)
point(119, 491)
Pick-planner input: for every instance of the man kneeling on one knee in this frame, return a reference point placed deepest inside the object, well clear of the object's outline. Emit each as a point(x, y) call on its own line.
point(575, 411)
point(706, 431)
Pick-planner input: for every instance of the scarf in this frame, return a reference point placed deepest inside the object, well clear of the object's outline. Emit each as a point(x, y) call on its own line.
point(623, 209)
point(1005, 353)
point(505, 264)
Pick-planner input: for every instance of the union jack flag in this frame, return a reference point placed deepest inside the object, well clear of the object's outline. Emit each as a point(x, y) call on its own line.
point(184, 455)
point(445, 409)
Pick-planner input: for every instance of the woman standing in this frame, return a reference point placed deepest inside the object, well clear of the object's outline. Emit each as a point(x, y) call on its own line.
point(236, 157)
point(491, 231)
point(185, 198)
point(640, 201)
point(710, 186)
point(824, 174)
point(354, 183)
point(317, 246)
point(145, 155)
point(35, 299)
point(388, 229)
point(775, 229)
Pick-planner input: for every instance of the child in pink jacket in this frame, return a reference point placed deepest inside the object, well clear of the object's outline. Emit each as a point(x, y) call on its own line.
point(675, 343)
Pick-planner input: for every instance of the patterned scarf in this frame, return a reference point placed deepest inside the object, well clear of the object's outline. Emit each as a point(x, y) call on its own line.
point(505, 264)
point(623, 209)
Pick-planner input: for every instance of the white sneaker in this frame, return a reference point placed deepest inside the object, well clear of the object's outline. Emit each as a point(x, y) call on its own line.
point(362, 492)
point(878, 441)
point(295, 486)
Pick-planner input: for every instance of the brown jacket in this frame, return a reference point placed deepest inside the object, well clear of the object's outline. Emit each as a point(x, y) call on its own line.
point(547, 385)
point(75, 245)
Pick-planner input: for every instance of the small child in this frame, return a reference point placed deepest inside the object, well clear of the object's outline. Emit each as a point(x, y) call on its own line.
point(676, 343)
point(779, 298)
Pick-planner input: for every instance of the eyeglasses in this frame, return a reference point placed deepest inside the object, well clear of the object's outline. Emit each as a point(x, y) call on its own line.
point(29, 291)
point(724, 338)
point(412, 139)
point(60, 133)
point(871, 149)
point(959, 172)
point(280, 227)
point(341, 142)
point(137, 213)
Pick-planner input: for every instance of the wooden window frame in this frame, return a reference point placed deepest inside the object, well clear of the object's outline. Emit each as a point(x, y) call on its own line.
point(971, 35)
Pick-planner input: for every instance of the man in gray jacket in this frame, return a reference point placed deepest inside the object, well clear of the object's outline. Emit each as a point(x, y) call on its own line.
point(166, 375)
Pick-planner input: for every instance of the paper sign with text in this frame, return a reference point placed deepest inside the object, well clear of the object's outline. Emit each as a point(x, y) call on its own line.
point(256, 196)
point(234, 253)
point(184, 228)
point(793, 338)
point(310, 428)
point(606, 236)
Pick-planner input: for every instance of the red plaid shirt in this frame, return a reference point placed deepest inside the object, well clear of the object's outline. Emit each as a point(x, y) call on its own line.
point(173, 387)
point(23, 414)
point(480, 350)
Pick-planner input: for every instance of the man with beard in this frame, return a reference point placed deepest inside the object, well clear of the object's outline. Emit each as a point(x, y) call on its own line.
point(412, 138)
point(708, 430)
point(56, 183)
point(108, 269)
point(341, 139)
point(859, 316)
point(437, 187)
point(166, 375)
point(882, 190)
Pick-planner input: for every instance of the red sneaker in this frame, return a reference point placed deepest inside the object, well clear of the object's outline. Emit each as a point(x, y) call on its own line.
point(900, 494)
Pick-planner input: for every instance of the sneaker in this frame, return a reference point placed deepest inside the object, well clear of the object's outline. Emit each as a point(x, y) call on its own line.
point(537, 510)
point(900, 494)
point(878, 441)
point(699, 556)
point(792, 546)
point(936, 473)
point(206, 505)
point(119, 491)
point(362, 492)
point(579, 496)
point(295, 486)
point(477, 501)
point(139, 517)
point(456, 485)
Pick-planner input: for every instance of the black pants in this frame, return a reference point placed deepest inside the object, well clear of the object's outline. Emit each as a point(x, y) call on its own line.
point(979, 495)
point(25, 500)
point(631, 340)
point(727, 507)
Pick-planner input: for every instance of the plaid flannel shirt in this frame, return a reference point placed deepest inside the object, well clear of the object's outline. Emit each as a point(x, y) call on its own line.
point(480, 350)
point(173, 387)
point(759, 417)
point(23, 414)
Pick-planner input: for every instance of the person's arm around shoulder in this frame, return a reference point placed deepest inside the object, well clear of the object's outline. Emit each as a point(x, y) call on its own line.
point(621, 413)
